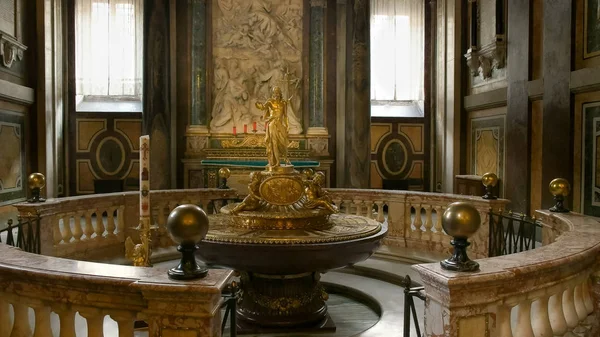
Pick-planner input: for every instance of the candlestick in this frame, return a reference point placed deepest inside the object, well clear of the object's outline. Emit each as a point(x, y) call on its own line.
point(144, 176)
point(254, 126)
point(234, 131)
point(245, 128)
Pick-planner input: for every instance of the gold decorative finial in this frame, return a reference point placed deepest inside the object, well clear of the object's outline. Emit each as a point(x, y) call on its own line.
point(461, 221)
point(36, 182)
point(489, 180)
point(308, 173)
point(187, 226)
point(560, 188)
point(224, 174)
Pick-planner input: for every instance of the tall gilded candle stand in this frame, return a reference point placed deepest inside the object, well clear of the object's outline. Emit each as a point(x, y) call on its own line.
point(461, 221)
point(36, 182)
point(560, 189)
point(489, 180)
point(224, 174)
point(187, 226)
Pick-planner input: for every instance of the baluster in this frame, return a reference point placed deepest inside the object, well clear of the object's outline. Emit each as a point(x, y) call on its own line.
point(428, 223)
point(503, 321)
point(120, 219)
point(67, 322)
point(77, 230)
point(557, 316)
point(407, 220)
point(523, 328)
point(540, 319)
point(66, 228)
point(4, 318)
point(369, 206)
point(418, 222)
point(587, 297)
point(439, 231)
point(55, 221)
point(110, 222)
point(42, 322)
point(125, 324)
point(99, 224)
point(358, 204)
point(380, 215)
point(95, 321)
point(21, 326)
point(579, 303)
point(348, 204)
point(89, 228)
point(569, 309)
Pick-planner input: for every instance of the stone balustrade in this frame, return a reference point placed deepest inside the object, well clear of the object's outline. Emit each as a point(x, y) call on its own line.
point(415, 218)
point(94, 226)
point(548, 291)
point(76, 290)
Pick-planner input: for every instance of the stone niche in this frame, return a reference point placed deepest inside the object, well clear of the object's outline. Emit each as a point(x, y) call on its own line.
point(251, 47)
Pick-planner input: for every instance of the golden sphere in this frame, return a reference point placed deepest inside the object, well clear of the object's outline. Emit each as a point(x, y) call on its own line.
point(560, 186)
point(224, 172)
point(461, 220)
point(187, 224)
point(308, 172)
point(37, 180)
point(489, 179)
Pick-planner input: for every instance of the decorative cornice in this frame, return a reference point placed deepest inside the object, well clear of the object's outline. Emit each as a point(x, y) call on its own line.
point(491, 56)
point(10, 49)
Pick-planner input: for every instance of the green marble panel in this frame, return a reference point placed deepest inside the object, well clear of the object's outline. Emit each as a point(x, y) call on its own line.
point(199, 112)
point(315, 103)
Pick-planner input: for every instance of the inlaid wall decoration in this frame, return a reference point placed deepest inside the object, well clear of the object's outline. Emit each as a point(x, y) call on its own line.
point(397, 155)
point(591, 29)
point(256, 45)
point(591, 159)
point(12, 157)
point(487, 145)
point(106, 149)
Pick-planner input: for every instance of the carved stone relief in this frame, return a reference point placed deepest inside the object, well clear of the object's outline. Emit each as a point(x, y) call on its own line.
point(196, 144)
point(319, 146)
point(11, 50)
point(256, 45)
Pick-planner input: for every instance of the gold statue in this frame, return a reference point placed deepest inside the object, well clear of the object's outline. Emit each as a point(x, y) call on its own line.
point(315, 195)
point(276, 138)
point(252, 201)
point(139, 254)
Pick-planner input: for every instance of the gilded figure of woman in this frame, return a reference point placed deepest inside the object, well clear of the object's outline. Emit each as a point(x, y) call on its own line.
point(276, 137)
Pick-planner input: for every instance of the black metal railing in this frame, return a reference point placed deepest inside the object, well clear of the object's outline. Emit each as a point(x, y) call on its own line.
point(410, 293)
point(230, 295)
point(512, 233)
point(27, 236)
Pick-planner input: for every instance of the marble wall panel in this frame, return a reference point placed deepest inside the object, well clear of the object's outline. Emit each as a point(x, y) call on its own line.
point(590, 188)
point(486, 143)
point(13, 173)
point(587, 33)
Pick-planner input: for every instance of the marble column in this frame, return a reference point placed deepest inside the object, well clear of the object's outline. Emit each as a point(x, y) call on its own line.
point(198, 116)
point(316, 117)
point(156, 118)
point(557, 147)
point(358, 95)
point(518, 144)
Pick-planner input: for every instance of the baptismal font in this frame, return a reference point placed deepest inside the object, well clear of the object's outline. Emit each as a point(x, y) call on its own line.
point(283, 235)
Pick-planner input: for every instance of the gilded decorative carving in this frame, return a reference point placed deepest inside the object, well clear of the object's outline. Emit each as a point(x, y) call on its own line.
point(257, 45)
point(11, 49)
point(253, 141)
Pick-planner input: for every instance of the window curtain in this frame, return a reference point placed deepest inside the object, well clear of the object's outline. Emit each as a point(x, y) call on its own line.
point(397, 49)
point(108, 47)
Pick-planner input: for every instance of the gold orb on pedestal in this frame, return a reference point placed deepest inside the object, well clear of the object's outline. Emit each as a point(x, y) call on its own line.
point(560, 187)
point(187, 224)
point(224, 173)
point(489, 179)
point(36, 180)
point(461, 220)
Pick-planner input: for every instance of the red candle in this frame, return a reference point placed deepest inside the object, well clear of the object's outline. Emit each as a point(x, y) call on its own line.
point(234, 131)
point(245, 128)
point(253, 126)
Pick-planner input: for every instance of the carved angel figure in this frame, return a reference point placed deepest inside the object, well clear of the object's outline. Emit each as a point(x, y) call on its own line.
point(252, 201)
point(316, 196)
point(139, 253)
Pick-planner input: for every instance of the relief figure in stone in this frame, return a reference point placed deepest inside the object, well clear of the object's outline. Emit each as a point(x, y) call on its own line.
point(256, 46)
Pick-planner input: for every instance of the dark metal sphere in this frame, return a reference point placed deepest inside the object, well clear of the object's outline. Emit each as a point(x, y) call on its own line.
point(461, 220)
point(187, 224)
point(489, 179)
point(36, 180)
point(224, 172)
point(560, 186)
